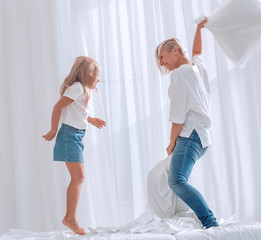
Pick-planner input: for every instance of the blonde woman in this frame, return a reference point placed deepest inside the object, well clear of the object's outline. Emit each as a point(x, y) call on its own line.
point(72, 112)
point(190, 98)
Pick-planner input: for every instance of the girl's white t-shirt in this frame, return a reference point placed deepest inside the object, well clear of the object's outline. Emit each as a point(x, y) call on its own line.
point(190, 99)
point(75, 114)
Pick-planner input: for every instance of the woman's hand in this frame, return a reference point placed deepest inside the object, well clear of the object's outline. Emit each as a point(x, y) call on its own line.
point(50, 135)
point(201, 24)
point(97, 122)
point(171, 147)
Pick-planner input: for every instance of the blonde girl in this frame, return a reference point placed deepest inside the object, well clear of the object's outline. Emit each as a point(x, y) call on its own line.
point(73, 114)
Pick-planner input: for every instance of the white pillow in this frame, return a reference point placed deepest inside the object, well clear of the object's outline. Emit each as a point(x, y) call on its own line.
point(236, 25)
point(161, 200)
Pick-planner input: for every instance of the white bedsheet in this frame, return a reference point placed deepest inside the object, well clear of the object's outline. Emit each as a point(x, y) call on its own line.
point(149, 227)
point(168, 217)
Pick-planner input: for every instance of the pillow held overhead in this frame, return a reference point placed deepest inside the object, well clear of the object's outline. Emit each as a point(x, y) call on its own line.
point(236, 25)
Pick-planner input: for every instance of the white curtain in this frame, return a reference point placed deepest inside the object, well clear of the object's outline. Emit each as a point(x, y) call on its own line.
point(39, 41)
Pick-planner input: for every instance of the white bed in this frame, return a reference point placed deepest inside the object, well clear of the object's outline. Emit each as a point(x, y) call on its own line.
point(168, 217)
point(150, 227)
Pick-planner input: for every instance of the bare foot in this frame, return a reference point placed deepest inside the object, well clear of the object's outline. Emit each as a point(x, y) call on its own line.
point(73, 225)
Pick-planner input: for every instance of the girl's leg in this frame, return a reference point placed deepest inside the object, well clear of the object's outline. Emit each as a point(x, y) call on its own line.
point(185, 154)
point(76, 171)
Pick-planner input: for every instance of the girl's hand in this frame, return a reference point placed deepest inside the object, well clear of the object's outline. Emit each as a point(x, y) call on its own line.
point(50, 135)
point(171, 147)
point(99, 123)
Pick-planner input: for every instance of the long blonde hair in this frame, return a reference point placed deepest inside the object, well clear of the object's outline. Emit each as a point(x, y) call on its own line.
point(84, 70)
point(168, 44)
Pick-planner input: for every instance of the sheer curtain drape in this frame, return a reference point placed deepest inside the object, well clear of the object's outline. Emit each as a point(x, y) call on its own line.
point(39, 41)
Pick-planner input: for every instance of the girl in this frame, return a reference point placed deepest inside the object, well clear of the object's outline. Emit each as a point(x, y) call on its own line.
point(190, 97)
point(71, 111)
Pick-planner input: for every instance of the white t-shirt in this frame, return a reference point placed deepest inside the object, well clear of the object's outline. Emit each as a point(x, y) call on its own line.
point(75, 114)
point(190, 99)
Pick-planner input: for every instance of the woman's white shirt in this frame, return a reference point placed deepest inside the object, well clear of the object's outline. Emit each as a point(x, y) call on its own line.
point(75, 114)
point(190, 99)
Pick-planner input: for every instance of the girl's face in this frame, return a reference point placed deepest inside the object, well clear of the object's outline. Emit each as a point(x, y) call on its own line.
point(93, 86)
point(169, 59)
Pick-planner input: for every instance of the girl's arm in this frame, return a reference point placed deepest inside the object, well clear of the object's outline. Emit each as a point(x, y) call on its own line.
point(175, 130)
point(57, 109)
point(197, 45)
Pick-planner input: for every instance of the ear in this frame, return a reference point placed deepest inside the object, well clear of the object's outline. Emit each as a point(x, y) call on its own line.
point(175, 49)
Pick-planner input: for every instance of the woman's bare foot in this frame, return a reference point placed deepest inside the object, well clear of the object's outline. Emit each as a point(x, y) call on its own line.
point(73, 225)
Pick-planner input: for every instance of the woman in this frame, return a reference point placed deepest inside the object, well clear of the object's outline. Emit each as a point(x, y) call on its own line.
point(190, 99)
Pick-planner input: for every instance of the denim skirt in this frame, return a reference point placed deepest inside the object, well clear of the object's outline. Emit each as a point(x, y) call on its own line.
point(68, 145)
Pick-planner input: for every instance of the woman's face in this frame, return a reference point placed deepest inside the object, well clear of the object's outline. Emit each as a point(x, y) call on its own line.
point(169, 59)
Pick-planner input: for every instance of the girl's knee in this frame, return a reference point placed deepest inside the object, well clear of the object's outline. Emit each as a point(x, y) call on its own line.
point(78, 178)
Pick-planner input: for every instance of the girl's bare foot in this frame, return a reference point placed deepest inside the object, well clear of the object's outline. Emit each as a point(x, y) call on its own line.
point(73, 225)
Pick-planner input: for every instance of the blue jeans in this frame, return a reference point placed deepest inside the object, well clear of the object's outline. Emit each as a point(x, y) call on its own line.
point(186, 152)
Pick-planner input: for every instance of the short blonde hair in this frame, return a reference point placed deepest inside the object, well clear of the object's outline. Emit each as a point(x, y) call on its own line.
point(168, 44)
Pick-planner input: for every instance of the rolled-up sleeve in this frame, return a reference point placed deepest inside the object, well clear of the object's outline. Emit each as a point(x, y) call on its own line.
point(198, 60)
